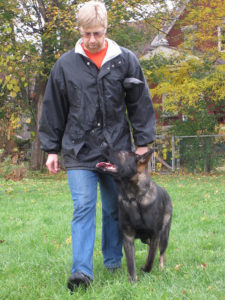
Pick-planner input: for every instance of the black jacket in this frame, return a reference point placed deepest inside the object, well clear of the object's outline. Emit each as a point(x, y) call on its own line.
point(85, 109)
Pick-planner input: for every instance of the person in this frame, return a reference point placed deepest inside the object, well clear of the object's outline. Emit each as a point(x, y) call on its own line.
point(93, 95)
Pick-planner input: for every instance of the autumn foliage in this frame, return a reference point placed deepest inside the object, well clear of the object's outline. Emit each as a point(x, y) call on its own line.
point(34, 34)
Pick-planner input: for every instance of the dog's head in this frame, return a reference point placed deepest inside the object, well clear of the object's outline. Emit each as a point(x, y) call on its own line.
point(124, 164)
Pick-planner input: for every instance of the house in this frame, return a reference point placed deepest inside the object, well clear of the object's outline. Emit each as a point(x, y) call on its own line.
point(180, 34)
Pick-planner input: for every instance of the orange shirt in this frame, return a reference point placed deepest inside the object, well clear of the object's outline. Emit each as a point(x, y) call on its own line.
point(98, 57)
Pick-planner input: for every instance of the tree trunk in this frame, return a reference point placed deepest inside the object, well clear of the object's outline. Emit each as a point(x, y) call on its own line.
point(38, 156)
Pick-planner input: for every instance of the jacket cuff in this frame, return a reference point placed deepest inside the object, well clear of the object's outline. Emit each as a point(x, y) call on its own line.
point(52, 152)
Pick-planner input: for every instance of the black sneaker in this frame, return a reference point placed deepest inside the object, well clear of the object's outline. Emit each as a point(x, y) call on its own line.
point(77, 279)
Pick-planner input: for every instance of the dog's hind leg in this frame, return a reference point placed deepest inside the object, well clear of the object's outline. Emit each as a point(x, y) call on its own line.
point(163, 244)
point(151, 255)
point(162, 248)
point(128, 243)
point(162, 261)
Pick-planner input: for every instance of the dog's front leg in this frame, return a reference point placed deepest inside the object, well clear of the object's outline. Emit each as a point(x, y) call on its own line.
point(128, 243)
point(151, 254)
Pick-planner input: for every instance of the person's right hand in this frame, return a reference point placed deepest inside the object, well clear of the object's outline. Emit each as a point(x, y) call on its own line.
point(52, 163)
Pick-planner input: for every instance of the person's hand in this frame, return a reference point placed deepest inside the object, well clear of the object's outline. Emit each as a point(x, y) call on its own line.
point(141, 150)
point(52, 163)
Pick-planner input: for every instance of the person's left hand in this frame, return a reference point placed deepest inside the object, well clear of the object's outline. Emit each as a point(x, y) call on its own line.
point(141, 150)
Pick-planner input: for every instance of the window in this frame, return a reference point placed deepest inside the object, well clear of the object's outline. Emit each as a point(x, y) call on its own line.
point(221, 38)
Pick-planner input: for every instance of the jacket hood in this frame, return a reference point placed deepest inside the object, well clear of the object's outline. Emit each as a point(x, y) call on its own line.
point(113, 50)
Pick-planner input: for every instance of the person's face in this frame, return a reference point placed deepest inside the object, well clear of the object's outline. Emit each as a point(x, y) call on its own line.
point(93, 38)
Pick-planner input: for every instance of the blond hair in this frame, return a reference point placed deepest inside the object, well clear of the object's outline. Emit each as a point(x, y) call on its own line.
point(92, 13)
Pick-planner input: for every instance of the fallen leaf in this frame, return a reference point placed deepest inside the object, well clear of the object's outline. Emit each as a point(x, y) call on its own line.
point(10, 190)
point(177, 267)
point(203, 265)
point(69, 240)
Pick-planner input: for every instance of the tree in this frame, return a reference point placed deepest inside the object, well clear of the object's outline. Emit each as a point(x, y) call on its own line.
point(34, 33)
point(193, 82)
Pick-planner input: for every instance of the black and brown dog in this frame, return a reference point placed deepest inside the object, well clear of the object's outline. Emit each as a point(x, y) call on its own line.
point(145, 209)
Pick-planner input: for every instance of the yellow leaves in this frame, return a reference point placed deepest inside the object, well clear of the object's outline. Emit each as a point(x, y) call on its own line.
point(164, 153)
point(14, 81)
point(9, 191)
point(7, 48)
point(7, 78)
point(207, 16)
point(16, 89)
point(69, 240)
point(12, 84)
point(57, 55)
point(158, 166)
point(13, 94)
point(9, 86)
point(185, 85)
point(7, 28)
point(15, 121)
point(177, 267)
point(148, 73)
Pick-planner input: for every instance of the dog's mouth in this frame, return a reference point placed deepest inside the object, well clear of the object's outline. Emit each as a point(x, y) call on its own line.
point(107, 166)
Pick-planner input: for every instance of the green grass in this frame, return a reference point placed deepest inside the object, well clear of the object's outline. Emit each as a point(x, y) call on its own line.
point(35, 248)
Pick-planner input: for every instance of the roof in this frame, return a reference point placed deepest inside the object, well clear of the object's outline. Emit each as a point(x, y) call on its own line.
point(160, 39)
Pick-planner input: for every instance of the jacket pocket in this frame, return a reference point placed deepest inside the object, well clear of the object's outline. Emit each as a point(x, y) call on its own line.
point(77, 148)
point(78, 141)
point(72, 142)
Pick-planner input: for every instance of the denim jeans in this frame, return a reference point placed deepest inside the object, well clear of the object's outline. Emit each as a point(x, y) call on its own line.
point(83, 187)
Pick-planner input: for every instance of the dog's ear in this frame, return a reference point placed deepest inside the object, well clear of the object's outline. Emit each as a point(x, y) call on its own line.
point(142, 160)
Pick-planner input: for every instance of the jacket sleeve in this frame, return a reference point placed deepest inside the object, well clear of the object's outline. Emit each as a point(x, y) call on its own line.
point(54, 113)
point(139, 104)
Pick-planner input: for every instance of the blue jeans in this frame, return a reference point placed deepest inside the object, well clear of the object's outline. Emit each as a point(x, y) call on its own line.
point(83, 187)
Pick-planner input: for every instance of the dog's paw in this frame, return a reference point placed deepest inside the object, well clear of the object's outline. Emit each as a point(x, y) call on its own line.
point(133, 280)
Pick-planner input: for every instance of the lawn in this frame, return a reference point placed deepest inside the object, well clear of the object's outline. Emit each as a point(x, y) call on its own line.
point(35, 243)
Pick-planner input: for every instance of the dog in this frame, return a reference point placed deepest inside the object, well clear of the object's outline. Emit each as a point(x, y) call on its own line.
point(145, 209)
